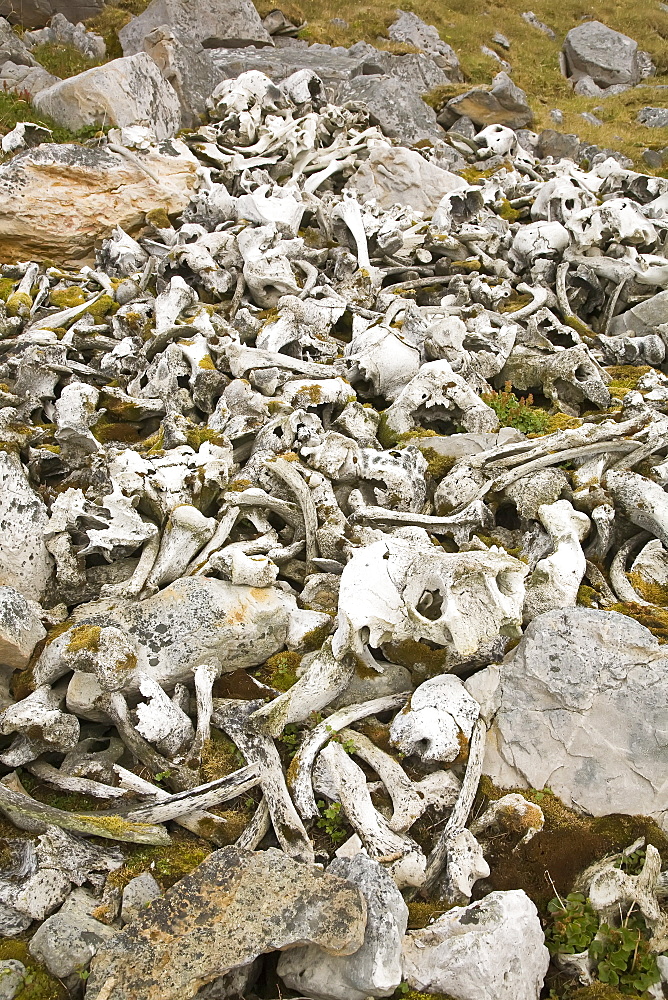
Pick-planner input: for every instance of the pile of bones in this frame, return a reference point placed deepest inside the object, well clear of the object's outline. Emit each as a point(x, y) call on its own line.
point(266, 426)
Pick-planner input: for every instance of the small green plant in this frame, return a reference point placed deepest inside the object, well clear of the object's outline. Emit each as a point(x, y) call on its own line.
point(574, 924)
point(332, 822)
point(161, 775)
point(623, 957)
point(633, 863)
point(291, 737)
point(519, 413)
point(83, 974)
point(347, 744)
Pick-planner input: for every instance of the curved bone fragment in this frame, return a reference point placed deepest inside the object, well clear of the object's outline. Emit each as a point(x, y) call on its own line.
point(186, 532)
point(323, 680)
point(203, 824)
point(299, 776)
point(404, 859)
point(641, 500)
point(235, 718)
point(407, 799)
point(438, 859)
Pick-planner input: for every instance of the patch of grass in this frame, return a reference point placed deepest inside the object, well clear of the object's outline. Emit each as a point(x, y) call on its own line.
point(14, 109)
point(166, 864)
point(63, 60)
point(220, 757)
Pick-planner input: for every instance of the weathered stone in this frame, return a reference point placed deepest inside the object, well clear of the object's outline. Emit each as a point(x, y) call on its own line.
point(67, 941)
point(580, 703)
point(12, 922)
point(37, 13)
point(643, 318)
point(492, 948)
point(394, 175)
point(503, 104)
point(137, 894)
point(608, 57)
point(128, 91)
point(375, 969)
point(559, 145)
point(418, 71)
point(539, 25)
point(409, 29)
point(12, 974)
point(12, 47)
point(212, 23)
point(20, 629)
point(25, 79)
point(58, 200)
point(400, 113)
point(236, 906)
point(25, 563)
point(186, 68)
point(653, 117)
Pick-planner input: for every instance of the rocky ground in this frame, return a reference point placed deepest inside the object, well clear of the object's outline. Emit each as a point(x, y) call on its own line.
point(334, 527)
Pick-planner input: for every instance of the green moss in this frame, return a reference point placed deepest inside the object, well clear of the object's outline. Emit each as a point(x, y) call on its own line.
point(167, 864)
point(280, 670)
point(207, 362)
point(18, 304)
point(158, 217)
point(438, 466)
point(625, 378)
point(196, 436)
point(220, 757)
point(422, 912)
point(102, 307)
point(567, 844)
point(84, 637)
point(404, 992)
point(409, 653)
point(514, 302)
point(587, 596)
point(655, 593)
point(314, 639)
point(653, 618)
point(6, 289)
point(507, 211)
point(38, 984)
point(387, 437)
point(106, 429)
point(66, 298)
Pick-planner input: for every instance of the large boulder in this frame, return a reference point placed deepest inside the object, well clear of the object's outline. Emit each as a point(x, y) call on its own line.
point(12, 47)
point(212, 23)
point(394, 106)
point(129, 91)
point(394, 175)
point(187, 68)
point(375, 969)
point(493, 948)
point(60, 200)
point(235, 906)
point(577, 707)
point(410, 30)
point(503, 104)
point(608, 57)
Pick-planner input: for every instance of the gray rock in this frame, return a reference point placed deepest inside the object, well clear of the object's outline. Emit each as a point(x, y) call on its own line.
point(12, 923)
point(559, 145)
point(187, 68)
point(591, 118)
point(212, 23)
point(63, 31)
point(13, 48)
point(503, 104)
point(29, 80)
point(643, 318)
point(11, 978)
point(374, 970)
point(500, 39)
point(362, 688)
point(586, 87)
point(557, 116)
point(409, 29)
point(338, 22)
point(493, 948)
point(647, 67)
point(25, 563)
point(655, 159)
point(580, 701)
point(399, 111)
point(20, 628)
point(38, 13)
point(418, 71)
point(608, 57)
point(531, 19)
point(68, 940)
point(129, 91)
point(235, 906)
point(138, 892)
point(394, 175)
point(653, 117)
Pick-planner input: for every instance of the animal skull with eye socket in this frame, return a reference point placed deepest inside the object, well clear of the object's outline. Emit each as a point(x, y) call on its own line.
point(403, 587)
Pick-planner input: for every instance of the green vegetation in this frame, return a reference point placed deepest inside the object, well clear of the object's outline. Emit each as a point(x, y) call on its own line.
point(63, 60)
point(332, 822)
point(574, 924)
point(519, 413)
point(166, 864)
point(14, 108)
point(38, 984)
